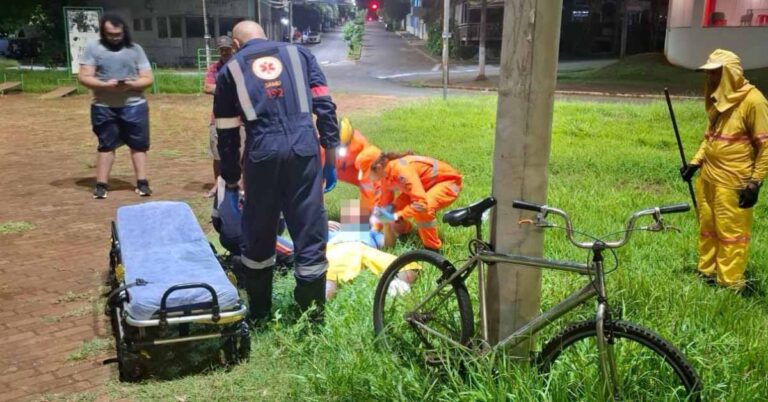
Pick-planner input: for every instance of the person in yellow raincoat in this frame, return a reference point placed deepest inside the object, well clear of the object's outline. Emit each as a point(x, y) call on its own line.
point(733, 162)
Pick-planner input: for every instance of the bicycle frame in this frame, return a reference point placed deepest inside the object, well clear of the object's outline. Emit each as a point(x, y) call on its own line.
point(595, 288)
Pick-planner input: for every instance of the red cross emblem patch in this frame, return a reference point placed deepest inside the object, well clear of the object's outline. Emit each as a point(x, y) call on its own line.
point(267, 68)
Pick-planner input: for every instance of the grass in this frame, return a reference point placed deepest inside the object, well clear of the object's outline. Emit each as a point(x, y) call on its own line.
point(13, 227)
point(653, 73)
point(6, 63)
point(606, 161)
point(166, 81)
point(90, 348)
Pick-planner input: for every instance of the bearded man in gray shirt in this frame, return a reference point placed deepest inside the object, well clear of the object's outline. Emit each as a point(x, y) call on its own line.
point(117, 71)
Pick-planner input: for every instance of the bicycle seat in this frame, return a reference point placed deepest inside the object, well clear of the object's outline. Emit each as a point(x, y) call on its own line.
point(469, 216)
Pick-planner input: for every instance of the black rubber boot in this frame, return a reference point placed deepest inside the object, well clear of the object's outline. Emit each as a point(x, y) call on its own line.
point(258, 285)
point(308, 293)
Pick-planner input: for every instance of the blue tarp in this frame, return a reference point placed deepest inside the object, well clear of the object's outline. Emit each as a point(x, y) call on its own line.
point(161, 243)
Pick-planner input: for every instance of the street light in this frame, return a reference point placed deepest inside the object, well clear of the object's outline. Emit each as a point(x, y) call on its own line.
point(284, 21)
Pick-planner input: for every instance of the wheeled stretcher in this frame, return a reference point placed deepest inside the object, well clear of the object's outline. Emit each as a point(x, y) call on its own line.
point(168, 288)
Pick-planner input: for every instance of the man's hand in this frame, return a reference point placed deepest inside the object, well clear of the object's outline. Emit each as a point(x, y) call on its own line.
point(687, 171)
point(329, 173)
point(112, 84)
point(748, 195)
point(384, 215)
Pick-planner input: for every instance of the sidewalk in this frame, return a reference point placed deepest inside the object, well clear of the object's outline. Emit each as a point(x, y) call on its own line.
point(463, 75)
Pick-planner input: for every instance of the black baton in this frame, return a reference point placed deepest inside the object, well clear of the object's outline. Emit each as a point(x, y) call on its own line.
point(679, 143)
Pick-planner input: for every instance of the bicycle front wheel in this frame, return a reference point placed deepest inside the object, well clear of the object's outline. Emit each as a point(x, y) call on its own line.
point(416, 309)
point(648, 368)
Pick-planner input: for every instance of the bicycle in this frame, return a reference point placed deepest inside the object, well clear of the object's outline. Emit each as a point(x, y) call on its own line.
point(421, 300)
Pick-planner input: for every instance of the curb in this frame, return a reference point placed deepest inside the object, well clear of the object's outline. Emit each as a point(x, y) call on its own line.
point(572, 92)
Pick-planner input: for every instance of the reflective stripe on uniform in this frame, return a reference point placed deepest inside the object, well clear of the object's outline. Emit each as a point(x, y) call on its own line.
point(761, 138)
point(455, 188)
point(735, 240)
point(425, 225)
point(227, 122)
point(311, 271)
point(242, 90)
point(418, 207)
point(269, 262)
point(319, 91)
point(298, 78)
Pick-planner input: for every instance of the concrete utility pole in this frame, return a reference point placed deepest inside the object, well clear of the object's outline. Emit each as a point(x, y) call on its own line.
point(446, 38)
point(290, 20)
point(521, 153)
point(481, 51)
point(206, 36)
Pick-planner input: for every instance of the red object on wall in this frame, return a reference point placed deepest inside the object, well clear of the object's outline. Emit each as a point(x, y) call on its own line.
point(709, 8)
point(762, 19)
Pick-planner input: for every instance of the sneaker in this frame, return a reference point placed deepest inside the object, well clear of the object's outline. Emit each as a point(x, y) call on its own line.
point(142, 188)
point(100, 191)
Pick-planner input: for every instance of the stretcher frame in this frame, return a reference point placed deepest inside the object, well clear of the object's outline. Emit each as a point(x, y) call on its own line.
point(132, 335)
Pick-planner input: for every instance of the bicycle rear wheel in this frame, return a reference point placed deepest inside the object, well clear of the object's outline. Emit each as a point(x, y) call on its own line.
point(407, 283)
point(648, 367)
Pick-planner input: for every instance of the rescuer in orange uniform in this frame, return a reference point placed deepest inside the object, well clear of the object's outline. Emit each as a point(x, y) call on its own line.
point(425, 184)
point(352, 143)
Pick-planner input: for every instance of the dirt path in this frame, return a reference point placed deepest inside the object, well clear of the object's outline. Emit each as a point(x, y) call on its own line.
point(53, 336)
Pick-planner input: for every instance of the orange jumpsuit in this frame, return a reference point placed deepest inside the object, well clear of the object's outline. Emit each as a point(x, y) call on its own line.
point(425, 185)
point(346, 172)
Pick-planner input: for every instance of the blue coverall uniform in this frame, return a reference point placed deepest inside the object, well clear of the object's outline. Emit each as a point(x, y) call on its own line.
point(273, 88)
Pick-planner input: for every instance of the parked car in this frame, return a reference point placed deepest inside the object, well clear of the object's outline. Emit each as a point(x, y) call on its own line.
point(312, 37)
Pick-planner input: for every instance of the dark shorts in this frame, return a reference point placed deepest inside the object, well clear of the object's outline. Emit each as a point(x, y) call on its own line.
point(115, 126)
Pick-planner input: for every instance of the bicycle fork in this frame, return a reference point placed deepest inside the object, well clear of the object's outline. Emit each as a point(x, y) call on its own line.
point(611, 388)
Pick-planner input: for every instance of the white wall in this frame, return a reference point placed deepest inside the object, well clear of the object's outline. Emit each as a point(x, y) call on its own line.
point(689, 47)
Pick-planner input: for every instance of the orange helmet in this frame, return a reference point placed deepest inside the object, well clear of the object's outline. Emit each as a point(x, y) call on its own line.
point(365, 160)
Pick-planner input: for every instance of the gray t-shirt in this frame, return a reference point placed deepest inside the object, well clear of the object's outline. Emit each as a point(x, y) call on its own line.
point(123, 64)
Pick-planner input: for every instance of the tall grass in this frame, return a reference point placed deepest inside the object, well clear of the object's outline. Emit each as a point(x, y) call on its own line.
point(606, 161)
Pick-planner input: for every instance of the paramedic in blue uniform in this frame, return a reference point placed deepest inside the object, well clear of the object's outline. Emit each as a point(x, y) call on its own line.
point(274, 88)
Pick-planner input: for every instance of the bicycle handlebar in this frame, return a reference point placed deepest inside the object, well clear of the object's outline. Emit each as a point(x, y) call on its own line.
point(656, 212)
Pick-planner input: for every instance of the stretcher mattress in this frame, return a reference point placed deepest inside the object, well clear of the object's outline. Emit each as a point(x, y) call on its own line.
point(162, 243)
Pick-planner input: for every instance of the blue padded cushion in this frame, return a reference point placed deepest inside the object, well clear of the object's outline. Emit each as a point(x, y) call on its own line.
point(162, 243)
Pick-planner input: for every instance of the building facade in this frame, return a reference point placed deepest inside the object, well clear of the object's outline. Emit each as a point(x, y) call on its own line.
point(697, 27)
point(171, 31)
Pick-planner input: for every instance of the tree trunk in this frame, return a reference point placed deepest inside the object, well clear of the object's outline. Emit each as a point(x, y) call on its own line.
point(481, 51)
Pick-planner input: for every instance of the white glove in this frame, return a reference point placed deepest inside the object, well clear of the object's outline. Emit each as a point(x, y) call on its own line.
point(398, 287)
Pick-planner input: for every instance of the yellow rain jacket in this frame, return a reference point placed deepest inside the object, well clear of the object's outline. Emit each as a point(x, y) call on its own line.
point(733, 150)
point(732, 153)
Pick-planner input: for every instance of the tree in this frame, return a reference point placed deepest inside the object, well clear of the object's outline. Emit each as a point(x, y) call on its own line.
point(481, 51)
point(396, 10)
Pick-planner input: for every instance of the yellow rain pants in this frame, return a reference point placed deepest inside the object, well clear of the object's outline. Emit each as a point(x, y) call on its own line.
point(723, 234)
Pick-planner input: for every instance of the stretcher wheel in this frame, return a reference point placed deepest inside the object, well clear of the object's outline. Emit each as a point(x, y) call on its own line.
point(128, 364)
point(244, 349)
point(237, 348)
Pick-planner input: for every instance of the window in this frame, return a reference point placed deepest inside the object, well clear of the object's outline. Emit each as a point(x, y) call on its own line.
point(195, 27)
point(162, 27)
point(734, 13)
point(175, 23)
point(147, 24)
point(226, 24)
point(136, 24)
